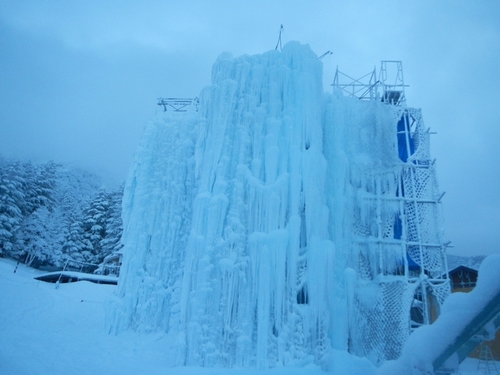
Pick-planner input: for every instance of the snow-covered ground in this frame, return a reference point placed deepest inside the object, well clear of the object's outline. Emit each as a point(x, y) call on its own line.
point(44, 330)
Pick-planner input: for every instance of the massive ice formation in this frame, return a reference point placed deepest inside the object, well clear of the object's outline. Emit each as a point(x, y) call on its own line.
point(240, 220)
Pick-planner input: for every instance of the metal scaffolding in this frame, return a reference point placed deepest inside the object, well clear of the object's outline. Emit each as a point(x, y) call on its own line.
point(179, 104)
point(418, 285)
point(389, 87)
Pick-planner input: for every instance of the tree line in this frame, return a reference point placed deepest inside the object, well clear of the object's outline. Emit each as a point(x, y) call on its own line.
point(51, 214)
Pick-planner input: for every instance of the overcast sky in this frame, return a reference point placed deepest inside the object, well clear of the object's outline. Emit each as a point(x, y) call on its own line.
point(79, 79)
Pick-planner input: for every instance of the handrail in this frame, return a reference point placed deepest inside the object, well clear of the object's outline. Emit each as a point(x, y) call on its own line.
point(178, 104)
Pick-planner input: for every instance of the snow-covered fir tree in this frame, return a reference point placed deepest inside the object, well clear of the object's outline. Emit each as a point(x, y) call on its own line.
point(110, 243)
point(11, 205)
point(50, 214)
point(34, 239)
point(94, 224)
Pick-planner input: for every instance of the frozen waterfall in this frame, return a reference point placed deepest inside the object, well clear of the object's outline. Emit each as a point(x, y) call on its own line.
point(242, 220)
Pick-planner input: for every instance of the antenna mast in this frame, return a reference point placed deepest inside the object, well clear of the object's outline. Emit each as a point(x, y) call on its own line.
point(279, 39)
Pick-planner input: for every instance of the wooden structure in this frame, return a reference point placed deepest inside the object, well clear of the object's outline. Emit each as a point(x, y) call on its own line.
point(463, 279)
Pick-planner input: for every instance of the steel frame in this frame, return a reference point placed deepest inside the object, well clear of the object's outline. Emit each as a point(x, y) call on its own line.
point(388, 88)
point(428, 280)
point(178, 104)
point(417, 196)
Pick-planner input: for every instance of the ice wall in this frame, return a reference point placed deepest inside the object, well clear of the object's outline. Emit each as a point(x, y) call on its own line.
point(239, 219)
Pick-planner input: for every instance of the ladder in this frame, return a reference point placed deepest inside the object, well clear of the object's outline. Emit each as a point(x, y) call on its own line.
point(486, 363)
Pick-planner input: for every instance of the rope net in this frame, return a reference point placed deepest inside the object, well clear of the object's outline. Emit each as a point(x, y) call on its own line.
point(399, 256)
point(381, 318)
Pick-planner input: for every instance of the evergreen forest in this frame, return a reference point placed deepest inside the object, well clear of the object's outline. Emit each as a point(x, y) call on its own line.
point(53, 215)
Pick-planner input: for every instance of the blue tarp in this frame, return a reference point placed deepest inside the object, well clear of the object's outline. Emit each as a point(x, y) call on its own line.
point(412, 265)
point(398, 228)
point(405, 150)
point(403, 129)
point(398, 231)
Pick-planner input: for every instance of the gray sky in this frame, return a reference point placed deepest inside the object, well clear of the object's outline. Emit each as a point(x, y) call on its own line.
point(79, 79)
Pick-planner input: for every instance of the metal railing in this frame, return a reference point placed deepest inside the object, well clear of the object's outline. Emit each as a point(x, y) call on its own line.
point(179, 104)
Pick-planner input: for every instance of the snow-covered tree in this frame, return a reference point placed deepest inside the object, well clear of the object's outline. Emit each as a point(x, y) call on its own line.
point(114, 226)
point(36, 240)
point(11, 206)
point(94, 223)
point(35, 237)
point(76, 247)
point(50, 213)
point(75, 189)
point(102, 226)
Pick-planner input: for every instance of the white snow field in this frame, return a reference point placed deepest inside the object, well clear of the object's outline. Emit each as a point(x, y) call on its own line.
point(49, 331)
